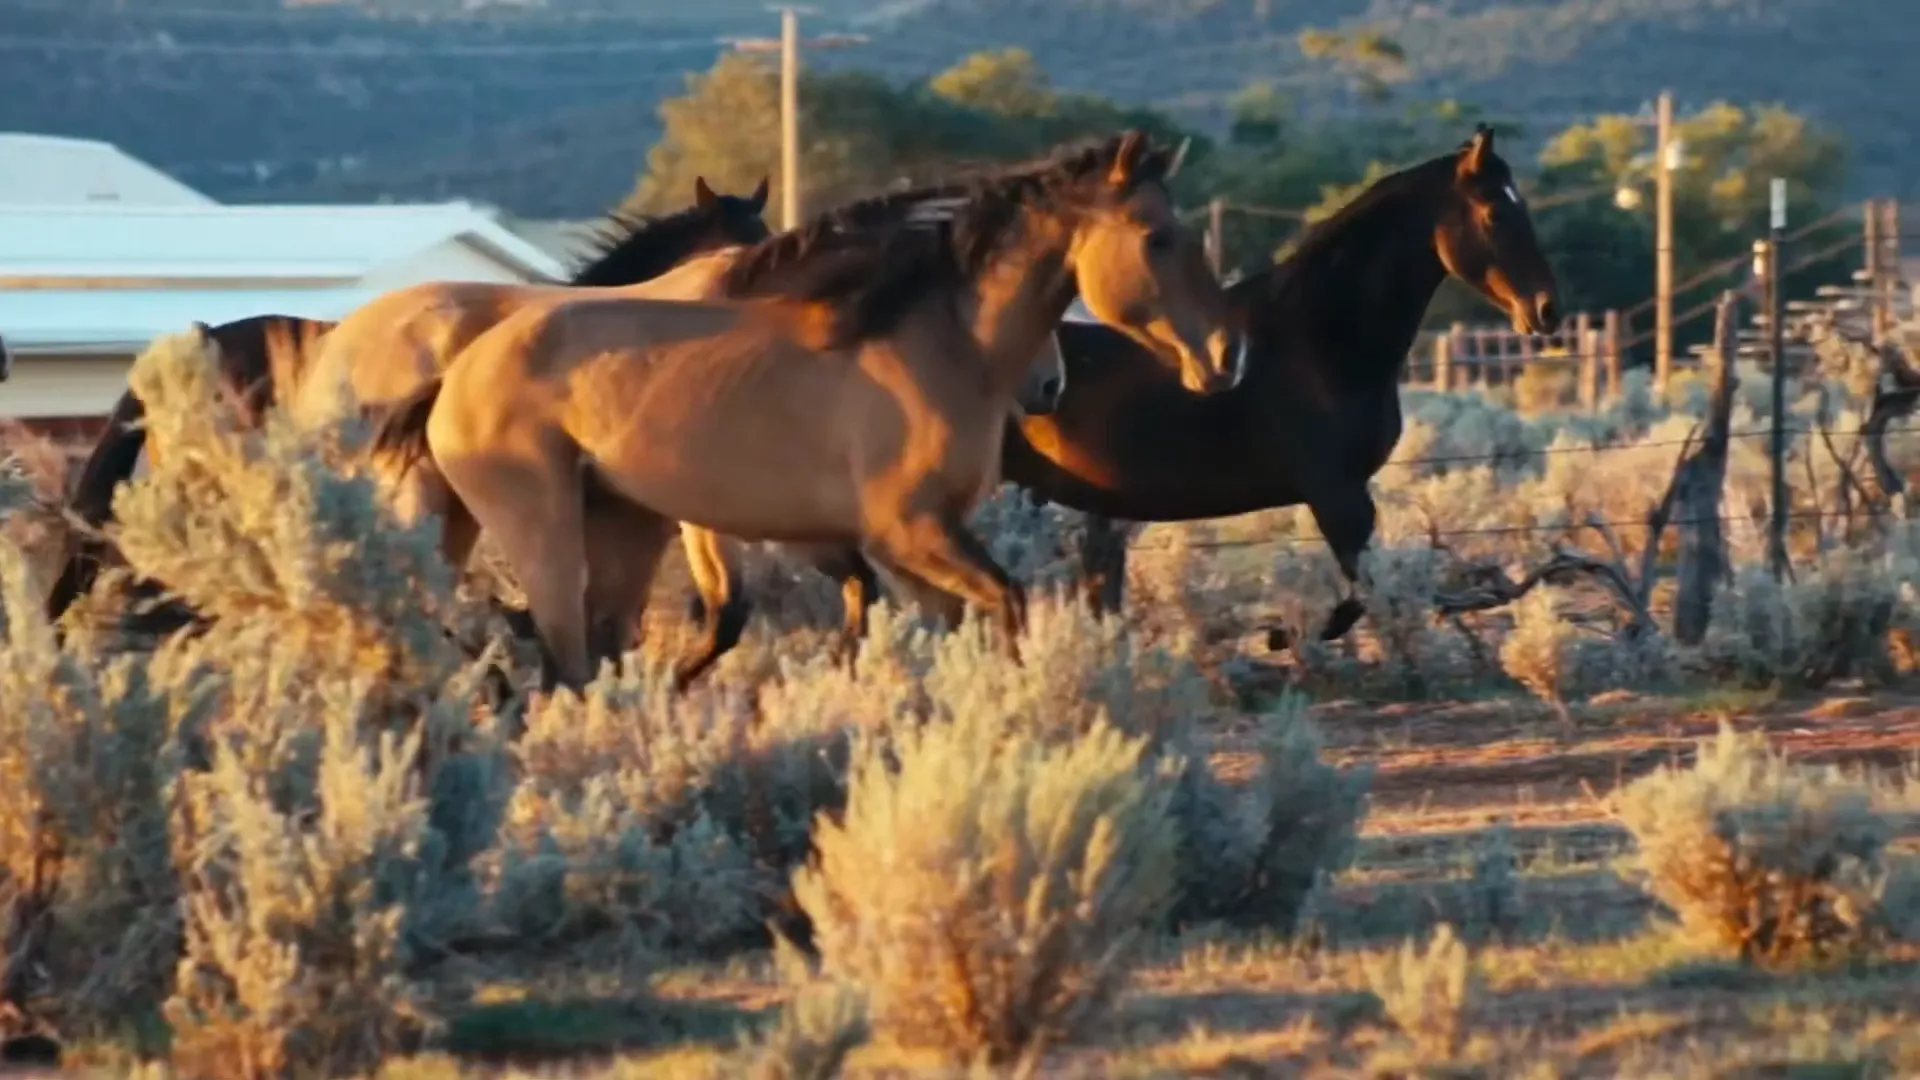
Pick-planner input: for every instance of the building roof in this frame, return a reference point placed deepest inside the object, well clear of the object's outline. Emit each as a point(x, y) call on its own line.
point(569, 241)
point(267, 242)
point(56, 321)
point(53, 169)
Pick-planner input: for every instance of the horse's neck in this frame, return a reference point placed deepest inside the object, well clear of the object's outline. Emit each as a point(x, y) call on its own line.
point(1016, 304)
point(698, 278)
point(1366, 304)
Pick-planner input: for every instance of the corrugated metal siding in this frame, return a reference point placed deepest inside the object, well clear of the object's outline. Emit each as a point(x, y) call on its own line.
point(51, 169)
point(340, 242)
point(68, 386)
point(39, 321)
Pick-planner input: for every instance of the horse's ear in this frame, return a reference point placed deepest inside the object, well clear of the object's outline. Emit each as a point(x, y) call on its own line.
point(703, 196)
point(759, 196)
point(1473, 157)
point(1127, 159)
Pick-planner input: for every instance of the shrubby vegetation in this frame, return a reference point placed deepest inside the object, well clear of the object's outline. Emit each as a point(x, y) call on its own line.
point(289, 840)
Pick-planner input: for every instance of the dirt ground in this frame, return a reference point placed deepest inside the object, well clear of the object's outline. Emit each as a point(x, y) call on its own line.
point(1575, 974)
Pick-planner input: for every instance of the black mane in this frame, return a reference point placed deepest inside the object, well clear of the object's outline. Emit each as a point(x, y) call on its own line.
point(871, 260)
point(630, 248)
point(1355, 229)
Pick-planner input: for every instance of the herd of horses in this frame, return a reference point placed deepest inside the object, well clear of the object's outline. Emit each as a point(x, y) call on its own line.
point(851, 389)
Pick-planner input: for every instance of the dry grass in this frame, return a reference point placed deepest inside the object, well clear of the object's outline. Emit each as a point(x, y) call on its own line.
point(304, 843)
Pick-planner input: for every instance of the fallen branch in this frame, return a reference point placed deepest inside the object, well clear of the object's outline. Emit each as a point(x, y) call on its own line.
point(1485, 586)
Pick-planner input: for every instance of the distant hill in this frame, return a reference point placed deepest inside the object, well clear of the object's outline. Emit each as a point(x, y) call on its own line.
point(547, 107)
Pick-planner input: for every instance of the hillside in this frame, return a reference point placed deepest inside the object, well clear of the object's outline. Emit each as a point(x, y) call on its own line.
point(419, 98)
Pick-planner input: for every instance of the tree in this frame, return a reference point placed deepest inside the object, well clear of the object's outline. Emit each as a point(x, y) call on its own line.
point(1005, 82)
point(1371, 59)
point(1720, 201)
point(862, 133)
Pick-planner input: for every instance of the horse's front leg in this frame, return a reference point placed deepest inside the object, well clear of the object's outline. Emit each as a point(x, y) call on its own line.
point(1345, 513)
point(937, 550)
point(1103, 564)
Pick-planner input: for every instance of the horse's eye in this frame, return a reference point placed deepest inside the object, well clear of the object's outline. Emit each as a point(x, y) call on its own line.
point(1160, 241)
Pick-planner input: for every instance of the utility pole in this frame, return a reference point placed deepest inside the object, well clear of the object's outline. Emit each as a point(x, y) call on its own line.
point(789, 43)
point(1217, 235)
point(1663, 243)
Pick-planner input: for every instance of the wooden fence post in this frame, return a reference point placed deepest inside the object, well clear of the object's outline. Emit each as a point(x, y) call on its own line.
point(1698, 486)
point(1587, 345)
point(1610, 350)
point(1442, 362)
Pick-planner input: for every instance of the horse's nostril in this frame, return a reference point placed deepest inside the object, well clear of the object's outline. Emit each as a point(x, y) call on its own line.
point(1050, 388)
point(1549, 313)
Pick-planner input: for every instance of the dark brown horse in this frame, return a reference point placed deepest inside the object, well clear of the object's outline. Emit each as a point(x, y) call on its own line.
point(1318, 412)
point(6, 361)
point(630, 250)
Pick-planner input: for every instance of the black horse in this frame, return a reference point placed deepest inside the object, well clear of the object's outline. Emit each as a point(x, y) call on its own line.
point(631, 249)
point(1318, 412)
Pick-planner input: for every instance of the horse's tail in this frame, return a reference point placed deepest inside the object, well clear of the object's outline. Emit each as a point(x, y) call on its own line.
point(401, 433)
point(264, 357)
point(110, 464)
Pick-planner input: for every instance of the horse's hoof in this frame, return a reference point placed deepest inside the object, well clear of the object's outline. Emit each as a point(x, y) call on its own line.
point(1279, 639)
point(30, 1050)
point(1345, 614)
point(519, 622)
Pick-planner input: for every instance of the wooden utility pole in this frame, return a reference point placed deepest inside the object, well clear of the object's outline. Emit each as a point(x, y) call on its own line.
point(789, 43)
point(1663, 243)
point(1217, 235)
point(789, 118)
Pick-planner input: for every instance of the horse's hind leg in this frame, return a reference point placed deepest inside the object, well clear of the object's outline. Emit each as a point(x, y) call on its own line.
point(859, 590)
point(717, 576)
point(1346, 516)
point(940, 552)
point(623, 544)
point(528, 497)
point(1103, 564)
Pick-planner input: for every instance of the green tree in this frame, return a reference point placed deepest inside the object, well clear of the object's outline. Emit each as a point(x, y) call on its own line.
point(1372, 60)
point(1005, 82)
point(1720, 194)
point(862, 133)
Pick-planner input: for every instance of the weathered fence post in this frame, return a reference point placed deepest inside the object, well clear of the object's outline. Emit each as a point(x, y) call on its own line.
point(1872, 249)
point(1698, 484)
point(1610, 348)
point(1586, 344)
point(1442, 362)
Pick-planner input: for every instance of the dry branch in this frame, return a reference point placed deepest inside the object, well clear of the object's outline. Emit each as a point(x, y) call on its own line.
point(1484, 586)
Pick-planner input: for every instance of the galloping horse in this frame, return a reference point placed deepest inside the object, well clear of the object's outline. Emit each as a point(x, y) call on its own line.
point(1319, 411)
point(856, 395)
point(269, 358)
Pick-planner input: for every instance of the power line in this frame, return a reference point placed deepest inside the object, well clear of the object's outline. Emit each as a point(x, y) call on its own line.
point(1550, 451)
point(1508, 530)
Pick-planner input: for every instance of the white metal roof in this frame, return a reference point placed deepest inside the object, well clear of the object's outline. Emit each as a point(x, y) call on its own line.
point(214, 241)
point(54, 321)
point(51, 169)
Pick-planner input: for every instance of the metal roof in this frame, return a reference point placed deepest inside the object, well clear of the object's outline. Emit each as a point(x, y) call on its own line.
point(214, 241)
point(56, 321)
point(53, 169)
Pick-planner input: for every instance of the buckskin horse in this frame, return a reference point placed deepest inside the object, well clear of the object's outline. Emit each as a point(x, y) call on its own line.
point(267, 358)
point(1318, 413)
point(856, 393)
